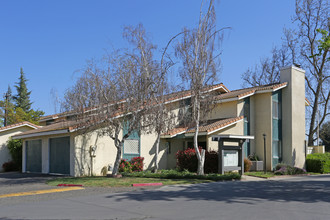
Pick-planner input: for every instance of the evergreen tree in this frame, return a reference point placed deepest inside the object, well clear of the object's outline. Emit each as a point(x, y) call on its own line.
point(7, 107)
point(8, 104)
point(22, 98)
point(11, 113)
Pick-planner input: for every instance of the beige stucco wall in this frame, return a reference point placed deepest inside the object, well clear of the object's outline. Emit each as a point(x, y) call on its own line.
point(233, 129)
point(224, 110)
point(4, 137)
point(81, 162)
point(263, 125)
point(176, 144)
point(293, 117)
point(105, 153)
point(148, 151)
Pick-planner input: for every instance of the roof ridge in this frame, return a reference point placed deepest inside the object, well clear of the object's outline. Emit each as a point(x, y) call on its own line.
point(19, 124)
point(166, 95)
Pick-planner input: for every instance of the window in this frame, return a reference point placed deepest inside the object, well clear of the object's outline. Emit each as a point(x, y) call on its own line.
point(49, 122)
point(168, 147)
point(131, 146)
point(185, 111)
point(277, 128)
point(246, 114)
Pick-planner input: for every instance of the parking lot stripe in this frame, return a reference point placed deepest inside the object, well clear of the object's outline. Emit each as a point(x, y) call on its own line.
point(40, 192)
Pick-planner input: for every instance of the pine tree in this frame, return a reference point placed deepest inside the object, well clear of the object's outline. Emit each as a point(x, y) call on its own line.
point(8, 104)
point(22, 98)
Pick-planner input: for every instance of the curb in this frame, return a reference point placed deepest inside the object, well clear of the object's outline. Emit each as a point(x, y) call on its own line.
point(146, 184)
point(69, 185)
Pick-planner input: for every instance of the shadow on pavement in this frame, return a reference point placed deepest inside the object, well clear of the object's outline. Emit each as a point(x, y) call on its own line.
point(12, 178)
point(239, 192)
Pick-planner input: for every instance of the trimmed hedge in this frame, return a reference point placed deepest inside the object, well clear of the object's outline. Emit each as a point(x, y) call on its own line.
point(174, 174)
point(318, 163)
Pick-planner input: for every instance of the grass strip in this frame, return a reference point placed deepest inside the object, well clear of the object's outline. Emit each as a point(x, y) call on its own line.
point(164, 177)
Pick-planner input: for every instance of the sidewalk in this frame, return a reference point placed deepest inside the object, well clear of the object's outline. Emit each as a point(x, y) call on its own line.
point(252, 178)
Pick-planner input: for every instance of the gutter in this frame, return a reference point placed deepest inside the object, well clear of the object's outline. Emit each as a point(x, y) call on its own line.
point(45, 133)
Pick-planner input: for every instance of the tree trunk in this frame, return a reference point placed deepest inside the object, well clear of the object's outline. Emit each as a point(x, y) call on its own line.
point(201, 162)
point(200, 157)
point(118, 157)
point(314, 113)
point(157, 152)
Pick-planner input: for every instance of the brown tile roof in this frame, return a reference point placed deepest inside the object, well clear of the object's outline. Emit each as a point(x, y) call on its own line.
point(247, 91)
point(20, 124)
point(175, 131)
point(207, 127)
point(53, 127)
point(183, 94)
point(216, 124)
point(168, 98)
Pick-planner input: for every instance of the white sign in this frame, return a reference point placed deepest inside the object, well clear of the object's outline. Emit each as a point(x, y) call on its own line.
point(230, 158)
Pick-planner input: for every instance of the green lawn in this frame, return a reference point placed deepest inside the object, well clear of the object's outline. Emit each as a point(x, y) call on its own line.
point(167, 177)
point(120, 182)
point(260, 174)
point(270, 174)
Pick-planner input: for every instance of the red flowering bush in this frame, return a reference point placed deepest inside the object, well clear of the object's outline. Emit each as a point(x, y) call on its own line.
point(187, 159)
point(125, 166)
point(137, 164)
point(134, 165)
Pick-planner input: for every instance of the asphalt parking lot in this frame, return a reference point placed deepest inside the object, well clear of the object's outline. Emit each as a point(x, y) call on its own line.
point(17, 183)
point(294, 198)
point(12, 182)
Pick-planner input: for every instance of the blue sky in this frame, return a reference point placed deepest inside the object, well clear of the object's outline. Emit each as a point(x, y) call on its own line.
point(51, 40)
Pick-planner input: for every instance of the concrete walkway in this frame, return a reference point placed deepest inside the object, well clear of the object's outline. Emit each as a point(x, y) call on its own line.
point(252, 178)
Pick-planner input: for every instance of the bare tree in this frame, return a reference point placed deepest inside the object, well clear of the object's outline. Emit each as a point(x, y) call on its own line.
point(161, 119)
point(116, 92)
point(305, 46)
point(201, 61)
point(304, 42)
point(268, 70)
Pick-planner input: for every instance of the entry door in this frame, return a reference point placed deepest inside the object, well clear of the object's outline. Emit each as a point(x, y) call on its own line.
point(33, 156)
point(59, 158)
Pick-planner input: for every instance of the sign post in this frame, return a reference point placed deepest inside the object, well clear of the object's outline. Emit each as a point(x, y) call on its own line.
point(230, 150)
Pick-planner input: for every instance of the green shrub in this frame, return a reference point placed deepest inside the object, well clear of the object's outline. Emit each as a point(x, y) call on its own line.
point(174, 174)
point(253, 157)
point(15, 150)
point(284, 169)
point(280, 165)
point(10, 166)
point(318, 163)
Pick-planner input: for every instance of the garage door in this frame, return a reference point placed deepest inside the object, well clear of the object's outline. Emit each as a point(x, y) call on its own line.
point(33, 156)
point(59, 158)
